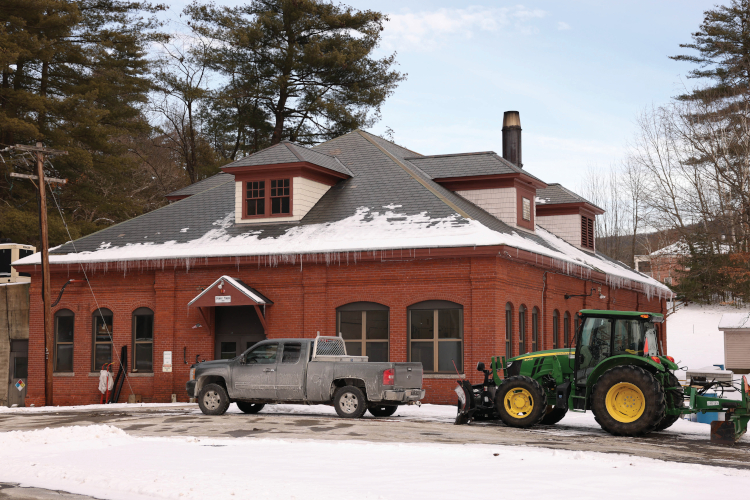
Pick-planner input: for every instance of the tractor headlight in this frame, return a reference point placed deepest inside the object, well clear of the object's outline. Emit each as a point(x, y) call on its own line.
point(192, 374)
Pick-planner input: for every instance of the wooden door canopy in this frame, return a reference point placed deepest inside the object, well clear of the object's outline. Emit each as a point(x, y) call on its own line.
point(228, 291)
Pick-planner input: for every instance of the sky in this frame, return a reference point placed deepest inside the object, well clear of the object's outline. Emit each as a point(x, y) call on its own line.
point(578, 72)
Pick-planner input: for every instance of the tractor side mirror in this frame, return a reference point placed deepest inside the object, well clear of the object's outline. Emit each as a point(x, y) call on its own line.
point(480, 366)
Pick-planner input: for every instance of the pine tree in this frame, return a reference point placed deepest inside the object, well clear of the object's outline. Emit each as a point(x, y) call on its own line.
point(75, 76)
point(304, 67)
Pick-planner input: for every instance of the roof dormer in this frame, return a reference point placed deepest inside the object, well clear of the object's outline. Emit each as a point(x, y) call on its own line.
point(489, 181)
point(282, 183)
point(568, 215)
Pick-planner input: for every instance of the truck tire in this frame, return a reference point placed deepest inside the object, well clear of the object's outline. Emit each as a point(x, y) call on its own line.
point(249, 408)
point(520, 401)
point(553, 415)
point(677, 397)
point(628, 401)
point(349, 402)
point(382, 411)
point(213, 400)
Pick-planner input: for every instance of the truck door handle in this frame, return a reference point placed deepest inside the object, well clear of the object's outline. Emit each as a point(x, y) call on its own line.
point(269, 370)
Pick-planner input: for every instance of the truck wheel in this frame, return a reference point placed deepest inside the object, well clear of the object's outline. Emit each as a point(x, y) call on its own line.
point(628, 401)
point(249, 408)
point(677, 397)
point(213, 400)
point(349, 402)
point(382, 411)
point(520, 401)
point(553, 415)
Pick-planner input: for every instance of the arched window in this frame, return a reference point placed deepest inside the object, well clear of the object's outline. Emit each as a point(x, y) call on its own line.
point(521, 329)
point(143, 340)
point(555, 327)
point(64, 331)
point(508, 330)
point(566, 329)
point(101, 324)
point(535, 329)
point(436, 331)
point(364, 326)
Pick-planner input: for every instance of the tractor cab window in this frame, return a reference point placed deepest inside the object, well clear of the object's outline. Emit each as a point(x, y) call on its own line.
point(628, 337)
point(595, 345)
point(651, 340)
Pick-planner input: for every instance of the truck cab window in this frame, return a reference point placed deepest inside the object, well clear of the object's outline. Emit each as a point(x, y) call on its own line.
point(262, 355)
point(291, 353)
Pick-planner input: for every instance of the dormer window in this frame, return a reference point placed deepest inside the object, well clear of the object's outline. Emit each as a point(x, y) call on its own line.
point(526, 209)
point(587, 232)
point(262, 202)
point(280, 198)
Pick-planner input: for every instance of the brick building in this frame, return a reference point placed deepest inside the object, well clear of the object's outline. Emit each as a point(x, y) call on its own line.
point(439, 259)
point(663, 265)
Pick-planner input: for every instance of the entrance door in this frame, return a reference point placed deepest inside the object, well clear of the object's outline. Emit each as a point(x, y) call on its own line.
point(254, 374)
point(237, 329)
point(19, 362)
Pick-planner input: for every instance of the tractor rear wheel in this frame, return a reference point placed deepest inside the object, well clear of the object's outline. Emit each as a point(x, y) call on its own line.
point(676, 394)
point(520, 401)
point(628, 401)
point(553, 415)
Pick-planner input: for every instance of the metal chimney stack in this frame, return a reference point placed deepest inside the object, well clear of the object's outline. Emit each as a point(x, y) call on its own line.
point(512, 137)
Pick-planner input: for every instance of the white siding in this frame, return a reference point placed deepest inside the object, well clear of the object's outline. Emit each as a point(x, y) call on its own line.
point(737, 351)
point(500, 202)
point(305, 194)
point(567, 227)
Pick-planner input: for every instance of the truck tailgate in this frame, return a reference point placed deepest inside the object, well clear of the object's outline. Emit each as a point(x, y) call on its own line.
point(408, 375)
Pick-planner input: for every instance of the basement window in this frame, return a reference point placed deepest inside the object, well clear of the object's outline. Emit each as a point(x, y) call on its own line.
point(587, 232)
point(526, 209)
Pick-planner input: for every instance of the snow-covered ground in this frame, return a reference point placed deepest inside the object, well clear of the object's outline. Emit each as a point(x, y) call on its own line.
point(106, 462)
point(693, 336)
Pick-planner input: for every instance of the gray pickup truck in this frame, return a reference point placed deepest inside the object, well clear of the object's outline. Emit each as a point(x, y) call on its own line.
point(305, 371)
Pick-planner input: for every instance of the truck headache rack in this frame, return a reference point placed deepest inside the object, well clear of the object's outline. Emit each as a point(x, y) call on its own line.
point(333, 349)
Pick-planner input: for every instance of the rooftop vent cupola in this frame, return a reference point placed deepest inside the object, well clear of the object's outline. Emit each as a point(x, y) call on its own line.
point(512, 137)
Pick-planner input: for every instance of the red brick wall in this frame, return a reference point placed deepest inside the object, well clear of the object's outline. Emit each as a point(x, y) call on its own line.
point(305, 301)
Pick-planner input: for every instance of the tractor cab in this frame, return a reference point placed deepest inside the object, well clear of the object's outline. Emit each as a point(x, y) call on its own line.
point(604, 334)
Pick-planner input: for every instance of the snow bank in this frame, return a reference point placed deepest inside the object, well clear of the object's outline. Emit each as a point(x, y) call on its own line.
point(103, 463)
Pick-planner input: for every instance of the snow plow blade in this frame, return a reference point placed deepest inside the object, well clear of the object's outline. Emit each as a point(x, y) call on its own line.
point(734, 426)
point(465, 403)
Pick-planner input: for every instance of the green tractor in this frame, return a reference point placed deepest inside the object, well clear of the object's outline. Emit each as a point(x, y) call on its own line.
point(615, 370)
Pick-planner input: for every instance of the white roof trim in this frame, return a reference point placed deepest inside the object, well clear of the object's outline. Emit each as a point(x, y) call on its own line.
point(235, 284)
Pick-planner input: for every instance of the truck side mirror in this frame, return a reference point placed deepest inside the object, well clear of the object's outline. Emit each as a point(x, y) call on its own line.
point(480, 366)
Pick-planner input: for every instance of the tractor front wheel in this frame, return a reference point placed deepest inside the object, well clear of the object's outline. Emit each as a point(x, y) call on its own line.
point(628, 401)
point(520, 401)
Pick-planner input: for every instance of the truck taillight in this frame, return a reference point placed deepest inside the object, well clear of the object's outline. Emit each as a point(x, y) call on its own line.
point(388, 376)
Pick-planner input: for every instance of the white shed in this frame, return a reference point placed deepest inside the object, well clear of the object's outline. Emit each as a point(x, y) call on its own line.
point(736, 328)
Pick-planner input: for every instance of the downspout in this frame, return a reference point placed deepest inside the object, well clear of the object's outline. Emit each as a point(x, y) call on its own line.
point(544, 298)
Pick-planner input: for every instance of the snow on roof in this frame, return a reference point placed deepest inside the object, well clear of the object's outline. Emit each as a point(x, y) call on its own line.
point(365, 231)
point(735, 321)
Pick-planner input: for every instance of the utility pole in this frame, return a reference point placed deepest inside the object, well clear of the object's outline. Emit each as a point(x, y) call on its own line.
point(49, 328)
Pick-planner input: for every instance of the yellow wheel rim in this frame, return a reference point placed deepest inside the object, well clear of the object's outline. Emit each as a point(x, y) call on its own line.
point(625, 402)
point(519, 403)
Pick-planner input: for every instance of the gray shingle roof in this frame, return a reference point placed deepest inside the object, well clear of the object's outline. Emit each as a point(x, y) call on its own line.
point(287, 152)
point(556, 194)
point(201, 186)
point(466, 165)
